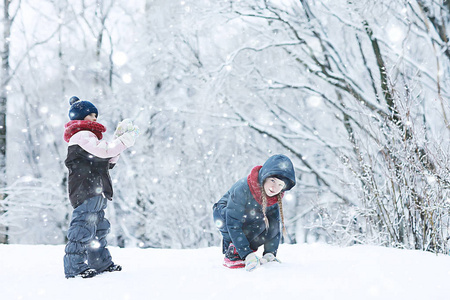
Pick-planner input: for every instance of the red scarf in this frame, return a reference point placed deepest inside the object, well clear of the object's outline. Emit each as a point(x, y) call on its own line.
point(255, 187)
point(78, 125)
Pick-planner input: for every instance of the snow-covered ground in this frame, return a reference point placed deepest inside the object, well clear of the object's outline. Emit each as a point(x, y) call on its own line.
point(313, 271)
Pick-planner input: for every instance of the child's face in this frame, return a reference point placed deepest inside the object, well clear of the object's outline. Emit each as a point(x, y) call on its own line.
point(92, 117)
point(272, 186)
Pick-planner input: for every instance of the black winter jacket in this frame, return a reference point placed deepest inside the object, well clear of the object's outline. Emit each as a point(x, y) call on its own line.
point(88, 175)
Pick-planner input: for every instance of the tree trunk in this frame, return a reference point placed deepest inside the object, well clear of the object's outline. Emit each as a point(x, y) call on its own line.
point(5, 78)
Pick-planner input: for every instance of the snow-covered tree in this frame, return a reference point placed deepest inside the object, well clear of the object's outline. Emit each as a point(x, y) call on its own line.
point(354, 92)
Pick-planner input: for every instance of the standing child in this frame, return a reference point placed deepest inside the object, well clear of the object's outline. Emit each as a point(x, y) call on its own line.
point(89, 160)
point(248, 215)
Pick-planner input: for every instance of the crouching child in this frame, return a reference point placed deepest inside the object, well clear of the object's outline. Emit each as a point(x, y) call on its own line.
point(250, 214)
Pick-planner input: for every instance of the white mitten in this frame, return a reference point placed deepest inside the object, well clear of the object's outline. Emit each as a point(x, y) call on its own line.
point(135, 131)
point(128, 139)
point(124, 126)
point(269, 257)
point(251, 262)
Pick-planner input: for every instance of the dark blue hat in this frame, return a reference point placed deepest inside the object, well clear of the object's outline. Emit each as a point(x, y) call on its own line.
point(79, 109)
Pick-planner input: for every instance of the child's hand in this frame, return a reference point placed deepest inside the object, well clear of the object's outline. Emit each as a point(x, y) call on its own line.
point(269, 257)
point(119, 130)
point(135, 131)
point(251, 262)
point(127, 139)
point(125, 126)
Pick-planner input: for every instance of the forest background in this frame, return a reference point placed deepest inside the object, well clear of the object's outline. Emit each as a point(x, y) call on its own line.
point(354, 92)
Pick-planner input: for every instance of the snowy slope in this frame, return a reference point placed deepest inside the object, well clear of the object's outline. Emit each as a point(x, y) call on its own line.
point(308, 272)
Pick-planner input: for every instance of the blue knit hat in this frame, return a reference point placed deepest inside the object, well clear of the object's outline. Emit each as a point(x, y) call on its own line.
point(79, 109)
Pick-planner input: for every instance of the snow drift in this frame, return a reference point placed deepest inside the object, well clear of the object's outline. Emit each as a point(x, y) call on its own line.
point(307, 271)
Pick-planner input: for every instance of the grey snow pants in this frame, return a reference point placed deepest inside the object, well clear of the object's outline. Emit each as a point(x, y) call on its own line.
point(86, 248)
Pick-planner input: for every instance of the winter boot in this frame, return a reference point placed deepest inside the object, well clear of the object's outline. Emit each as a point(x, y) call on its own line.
point(89, 273)
point(232, 259)
point(113, 268)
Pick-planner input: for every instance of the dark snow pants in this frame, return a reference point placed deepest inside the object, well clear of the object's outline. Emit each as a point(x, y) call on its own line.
point(257, 235)
point(86, 248)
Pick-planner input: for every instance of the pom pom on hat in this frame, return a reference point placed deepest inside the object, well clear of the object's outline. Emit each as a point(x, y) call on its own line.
point(73, 99)
point(79, 109)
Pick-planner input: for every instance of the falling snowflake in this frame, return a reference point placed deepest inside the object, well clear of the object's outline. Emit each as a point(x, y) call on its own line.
point(395, 34)
point(283, 165)
point(120, 58)
point(431, 179)
point(314, 101)
point(219, 224)
point(95, 244)
point(126, 78)
point(289, 197)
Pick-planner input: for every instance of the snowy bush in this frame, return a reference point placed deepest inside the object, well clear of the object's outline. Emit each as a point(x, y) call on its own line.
point(355, 93)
